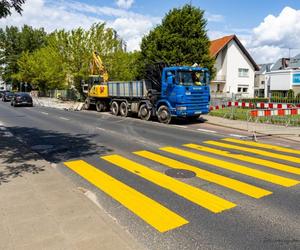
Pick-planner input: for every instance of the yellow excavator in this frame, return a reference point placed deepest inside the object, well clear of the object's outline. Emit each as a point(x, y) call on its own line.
point(96, 89)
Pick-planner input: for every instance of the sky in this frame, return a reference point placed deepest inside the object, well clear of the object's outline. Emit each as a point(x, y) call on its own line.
point(269, 29)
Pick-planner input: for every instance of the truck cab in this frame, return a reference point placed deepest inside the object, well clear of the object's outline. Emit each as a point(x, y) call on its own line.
point(184, 92)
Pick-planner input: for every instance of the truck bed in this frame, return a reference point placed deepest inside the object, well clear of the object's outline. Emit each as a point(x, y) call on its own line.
point(130, 89)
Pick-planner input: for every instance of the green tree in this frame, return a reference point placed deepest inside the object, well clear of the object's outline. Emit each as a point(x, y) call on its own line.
point(6, 6)
point(43, 68)
point(181, 39)
point(13, 42)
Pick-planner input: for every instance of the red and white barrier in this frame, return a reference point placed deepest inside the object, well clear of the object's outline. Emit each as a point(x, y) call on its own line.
point(260, 105)
point(274, 112)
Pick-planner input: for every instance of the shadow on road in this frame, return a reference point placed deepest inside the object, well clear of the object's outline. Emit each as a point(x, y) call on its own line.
point(20, 154)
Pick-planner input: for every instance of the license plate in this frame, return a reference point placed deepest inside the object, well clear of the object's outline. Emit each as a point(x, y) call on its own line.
point(197, 112)
point(188, 93)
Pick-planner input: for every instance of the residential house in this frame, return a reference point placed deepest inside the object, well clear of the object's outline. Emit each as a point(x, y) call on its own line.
point(260, 82)
point(235, 68)
point(281, 76)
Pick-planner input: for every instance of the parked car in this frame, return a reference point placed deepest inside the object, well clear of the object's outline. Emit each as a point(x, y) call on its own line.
point(7, 96)
point(21, 99)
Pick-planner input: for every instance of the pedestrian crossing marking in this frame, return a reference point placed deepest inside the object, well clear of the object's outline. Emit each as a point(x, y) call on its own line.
point(233, 184)
point(255, 151)
point(263, 145)
point(200, 197)
point(258, 161)
point(155, 214)
point(268, 177)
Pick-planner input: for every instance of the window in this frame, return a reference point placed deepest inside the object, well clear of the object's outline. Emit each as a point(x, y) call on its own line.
point(243, 72)
point(245, 90)
point(239, 89)
point(192, 78)
point(218, 87)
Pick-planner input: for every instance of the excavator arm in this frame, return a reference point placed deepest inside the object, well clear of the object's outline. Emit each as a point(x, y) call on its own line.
point(98, 67)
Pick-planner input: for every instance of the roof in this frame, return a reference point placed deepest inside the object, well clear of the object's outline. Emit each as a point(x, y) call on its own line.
point(217, 45)
point(263, 68)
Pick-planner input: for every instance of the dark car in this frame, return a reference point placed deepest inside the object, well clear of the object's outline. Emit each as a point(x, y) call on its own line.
point(7, 96)
point(21, 99)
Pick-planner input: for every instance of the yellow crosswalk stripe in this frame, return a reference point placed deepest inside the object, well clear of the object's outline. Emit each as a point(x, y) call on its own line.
point(276, 179)
point(255, 160)
point(158, 216)
point(263, 145)
point(233, 184)
point(255, 151)
point(200, 197)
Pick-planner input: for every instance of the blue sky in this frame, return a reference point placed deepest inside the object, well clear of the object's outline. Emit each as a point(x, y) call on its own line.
point(267, 27)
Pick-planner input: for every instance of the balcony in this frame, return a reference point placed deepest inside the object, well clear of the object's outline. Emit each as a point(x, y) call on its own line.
point(219, 78)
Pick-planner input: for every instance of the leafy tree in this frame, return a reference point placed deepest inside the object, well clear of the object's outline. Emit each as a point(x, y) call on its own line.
point(6, 6)
point(181, 39)
point(43, 68)
point(13, 42)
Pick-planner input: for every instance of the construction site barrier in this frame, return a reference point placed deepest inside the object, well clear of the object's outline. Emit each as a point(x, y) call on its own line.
point(261, 105)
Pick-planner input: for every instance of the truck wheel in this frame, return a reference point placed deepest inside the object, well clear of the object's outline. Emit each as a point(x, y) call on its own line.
point(99, 106)
point(123, 109)
point(114, 108)
point(164, 115)
point(87, 104)
point(144, 112)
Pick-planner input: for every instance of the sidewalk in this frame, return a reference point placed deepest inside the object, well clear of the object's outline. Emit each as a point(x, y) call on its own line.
point(42, 209)
point(292, 133)
point(56, 103)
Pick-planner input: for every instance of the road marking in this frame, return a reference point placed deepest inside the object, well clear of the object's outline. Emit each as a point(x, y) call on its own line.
point(102, 129)
point(258, 161)
point(179, 126)
point(200, 197)
point(233, 184)
point(45, 113)
point(206, 130)
point(264, 145)
point(64, 118)
point(255, 151)
point(239, 136)
point(156, 215)
point(276, 179)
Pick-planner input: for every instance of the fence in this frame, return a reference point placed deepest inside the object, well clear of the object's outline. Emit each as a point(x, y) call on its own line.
point(274, 121)
point(69, 94)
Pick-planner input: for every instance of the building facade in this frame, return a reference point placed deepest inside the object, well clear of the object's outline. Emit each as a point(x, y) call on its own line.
point(235, 68)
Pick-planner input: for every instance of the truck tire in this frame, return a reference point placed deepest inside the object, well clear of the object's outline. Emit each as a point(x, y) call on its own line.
point(164, 115)
point(123, 109)
point(114, 108)
point(87, 104)
point(99, 106)
point(144, 112)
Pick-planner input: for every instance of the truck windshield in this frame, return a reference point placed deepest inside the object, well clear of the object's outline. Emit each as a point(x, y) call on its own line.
point(191, 78)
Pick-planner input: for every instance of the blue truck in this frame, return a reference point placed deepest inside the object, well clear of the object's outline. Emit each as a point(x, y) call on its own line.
point(182, 92)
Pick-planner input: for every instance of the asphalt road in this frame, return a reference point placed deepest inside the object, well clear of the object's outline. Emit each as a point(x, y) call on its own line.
point(229, 207)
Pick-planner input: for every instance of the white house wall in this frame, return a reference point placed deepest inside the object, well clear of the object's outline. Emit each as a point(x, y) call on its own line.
point(236, 59)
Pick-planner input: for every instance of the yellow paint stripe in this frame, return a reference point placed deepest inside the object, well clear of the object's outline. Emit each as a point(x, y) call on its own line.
point(233, 184)
point(276, 179)
point(255, 160)
point(263, 145)
point(255, 151)
point(200, 197)
point(158, 216)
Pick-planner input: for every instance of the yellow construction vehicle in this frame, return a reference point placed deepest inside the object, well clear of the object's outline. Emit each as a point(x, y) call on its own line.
point(96, 89)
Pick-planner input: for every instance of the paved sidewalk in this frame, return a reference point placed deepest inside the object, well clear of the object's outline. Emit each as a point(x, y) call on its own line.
point(56, 103)
point(40, 208)
point(292, 133)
